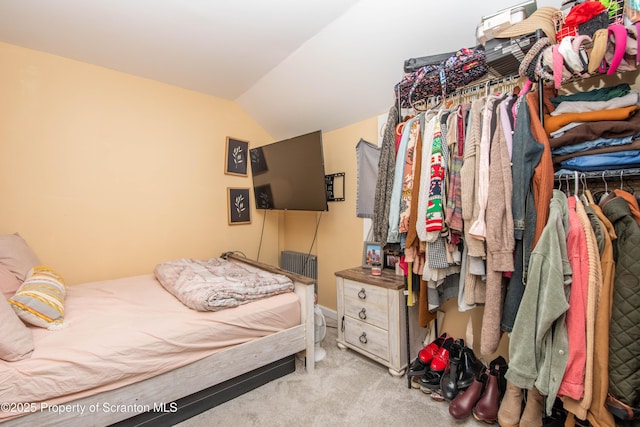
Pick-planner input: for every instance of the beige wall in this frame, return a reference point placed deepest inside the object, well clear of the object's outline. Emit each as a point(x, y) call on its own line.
point(106, 174)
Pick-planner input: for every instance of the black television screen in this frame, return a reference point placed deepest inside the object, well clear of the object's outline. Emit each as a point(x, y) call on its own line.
point(289, 174)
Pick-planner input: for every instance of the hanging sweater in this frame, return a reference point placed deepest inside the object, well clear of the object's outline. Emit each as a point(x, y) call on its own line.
point(455, 141)
point(468, 174)
point(384, 184)
point(500, 240)
point(393, 235)
point(478, 228)
point(408, 176)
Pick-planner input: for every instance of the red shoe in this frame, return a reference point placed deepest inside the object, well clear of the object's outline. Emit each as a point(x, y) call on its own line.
point(440, 360)
point(427, 353)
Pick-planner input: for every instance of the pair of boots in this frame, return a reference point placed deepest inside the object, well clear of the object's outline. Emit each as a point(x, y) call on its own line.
point(483, 396)
point(511, 413)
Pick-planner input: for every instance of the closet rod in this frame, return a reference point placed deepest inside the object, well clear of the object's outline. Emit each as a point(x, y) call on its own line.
point(475, 87)
point(609, 173)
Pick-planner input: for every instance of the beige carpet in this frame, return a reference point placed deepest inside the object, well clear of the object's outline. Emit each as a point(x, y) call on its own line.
point(346, 389)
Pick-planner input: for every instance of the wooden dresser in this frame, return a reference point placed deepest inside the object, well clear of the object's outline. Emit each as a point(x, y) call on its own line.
point(371, 317)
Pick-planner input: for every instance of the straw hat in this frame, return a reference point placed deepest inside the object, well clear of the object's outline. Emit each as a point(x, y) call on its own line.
point(596, 55)
point(546, 18)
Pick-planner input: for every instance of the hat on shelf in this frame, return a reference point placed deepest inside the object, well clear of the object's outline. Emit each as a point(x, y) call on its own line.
point(596, 55)
point(545, 18)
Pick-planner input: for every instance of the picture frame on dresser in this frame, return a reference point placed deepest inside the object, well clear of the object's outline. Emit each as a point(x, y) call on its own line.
point(236, 157)
point(371, 254)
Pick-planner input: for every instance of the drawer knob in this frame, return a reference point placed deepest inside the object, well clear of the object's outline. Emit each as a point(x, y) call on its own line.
point(363, 313)
point(363, 338)
point(362, 294)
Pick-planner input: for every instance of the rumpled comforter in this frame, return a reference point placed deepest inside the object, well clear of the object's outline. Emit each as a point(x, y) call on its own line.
point(215, 284)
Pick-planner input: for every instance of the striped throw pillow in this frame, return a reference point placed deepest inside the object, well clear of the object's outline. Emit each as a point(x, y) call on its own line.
point(39, 301)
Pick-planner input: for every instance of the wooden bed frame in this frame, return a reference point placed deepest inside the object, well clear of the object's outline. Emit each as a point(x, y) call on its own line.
point(243, 361)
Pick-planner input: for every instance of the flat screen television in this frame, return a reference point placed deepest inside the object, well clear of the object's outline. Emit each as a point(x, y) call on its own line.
point(289, 174)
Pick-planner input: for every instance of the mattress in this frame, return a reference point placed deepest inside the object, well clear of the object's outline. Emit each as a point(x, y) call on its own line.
point(122, 331)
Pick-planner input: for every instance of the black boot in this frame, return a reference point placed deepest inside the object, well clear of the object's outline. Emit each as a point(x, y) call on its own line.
point(470, 368)
point(450, 378)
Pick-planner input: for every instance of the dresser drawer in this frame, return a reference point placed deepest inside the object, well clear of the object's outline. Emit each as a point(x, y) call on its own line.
point(366, 294)
point(367, 312)
point(366, 337)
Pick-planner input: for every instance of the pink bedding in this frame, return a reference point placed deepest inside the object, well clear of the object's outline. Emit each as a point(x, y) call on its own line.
point(123, 331)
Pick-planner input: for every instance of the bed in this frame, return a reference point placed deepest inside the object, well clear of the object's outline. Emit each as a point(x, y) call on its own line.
point(208, 357)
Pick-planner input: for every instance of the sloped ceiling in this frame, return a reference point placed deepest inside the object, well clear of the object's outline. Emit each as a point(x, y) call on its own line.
point(294, 65)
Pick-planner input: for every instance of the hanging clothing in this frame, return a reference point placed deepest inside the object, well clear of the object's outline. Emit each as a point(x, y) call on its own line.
point(468, 174)
point(597, 413)
point(624, 349)
point(384, 184)
point(572, 384)
point(368, 156)
point(543, 172)
point(425, 178)
point(538, 346)
point(455, 142)
point(580, 406)
point(406, 196)
point(393, 235)
point(499, 237)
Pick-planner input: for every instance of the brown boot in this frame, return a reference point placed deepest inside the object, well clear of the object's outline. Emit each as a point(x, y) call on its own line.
point(487, 407)
point(511, 406)
point(533, 410)
point(462, 405)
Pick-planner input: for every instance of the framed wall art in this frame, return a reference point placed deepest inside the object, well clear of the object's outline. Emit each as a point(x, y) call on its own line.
point(236, 157)
point(238, 206)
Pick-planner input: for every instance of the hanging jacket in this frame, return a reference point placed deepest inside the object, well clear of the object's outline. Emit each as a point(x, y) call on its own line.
point(597, 414)
point(624, 331)
point(538, 347)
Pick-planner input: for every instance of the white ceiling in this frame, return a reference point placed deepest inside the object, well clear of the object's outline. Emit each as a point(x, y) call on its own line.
point(294, 65)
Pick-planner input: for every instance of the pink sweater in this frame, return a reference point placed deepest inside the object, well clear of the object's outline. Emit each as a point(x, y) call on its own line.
point(572, 384)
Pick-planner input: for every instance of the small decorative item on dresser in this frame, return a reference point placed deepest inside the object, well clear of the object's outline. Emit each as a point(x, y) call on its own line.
point(376, 269)
point(236, 157)
point(371, 254)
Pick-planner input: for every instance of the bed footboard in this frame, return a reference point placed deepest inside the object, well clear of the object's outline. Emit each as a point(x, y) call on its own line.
point(305, 289)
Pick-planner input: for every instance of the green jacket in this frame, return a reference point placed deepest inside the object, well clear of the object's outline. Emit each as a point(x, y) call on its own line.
point(624, 330)
point(538, 346)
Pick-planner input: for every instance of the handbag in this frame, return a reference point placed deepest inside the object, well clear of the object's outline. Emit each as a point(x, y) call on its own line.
point(458, 69)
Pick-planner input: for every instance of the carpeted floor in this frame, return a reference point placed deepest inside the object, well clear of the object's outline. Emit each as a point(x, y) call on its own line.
point(346, 389)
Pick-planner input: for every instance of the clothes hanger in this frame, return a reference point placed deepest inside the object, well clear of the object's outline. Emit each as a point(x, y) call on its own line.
point(586, 196)
point(607, 195)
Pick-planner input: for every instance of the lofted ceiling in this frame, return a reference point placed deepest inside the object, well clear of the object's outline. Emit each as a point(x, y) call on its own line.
point(295, 66)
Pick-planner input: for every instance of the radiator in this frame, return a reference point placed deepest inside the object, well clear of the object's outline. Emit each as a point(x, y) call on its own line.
point(300, 263)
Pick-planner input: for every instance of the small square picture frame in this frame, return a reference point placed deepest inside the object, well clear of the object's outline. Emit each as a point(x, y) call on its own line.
point(371, 254)
point(238, 206)
point(390, 260)
point(236, 157)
